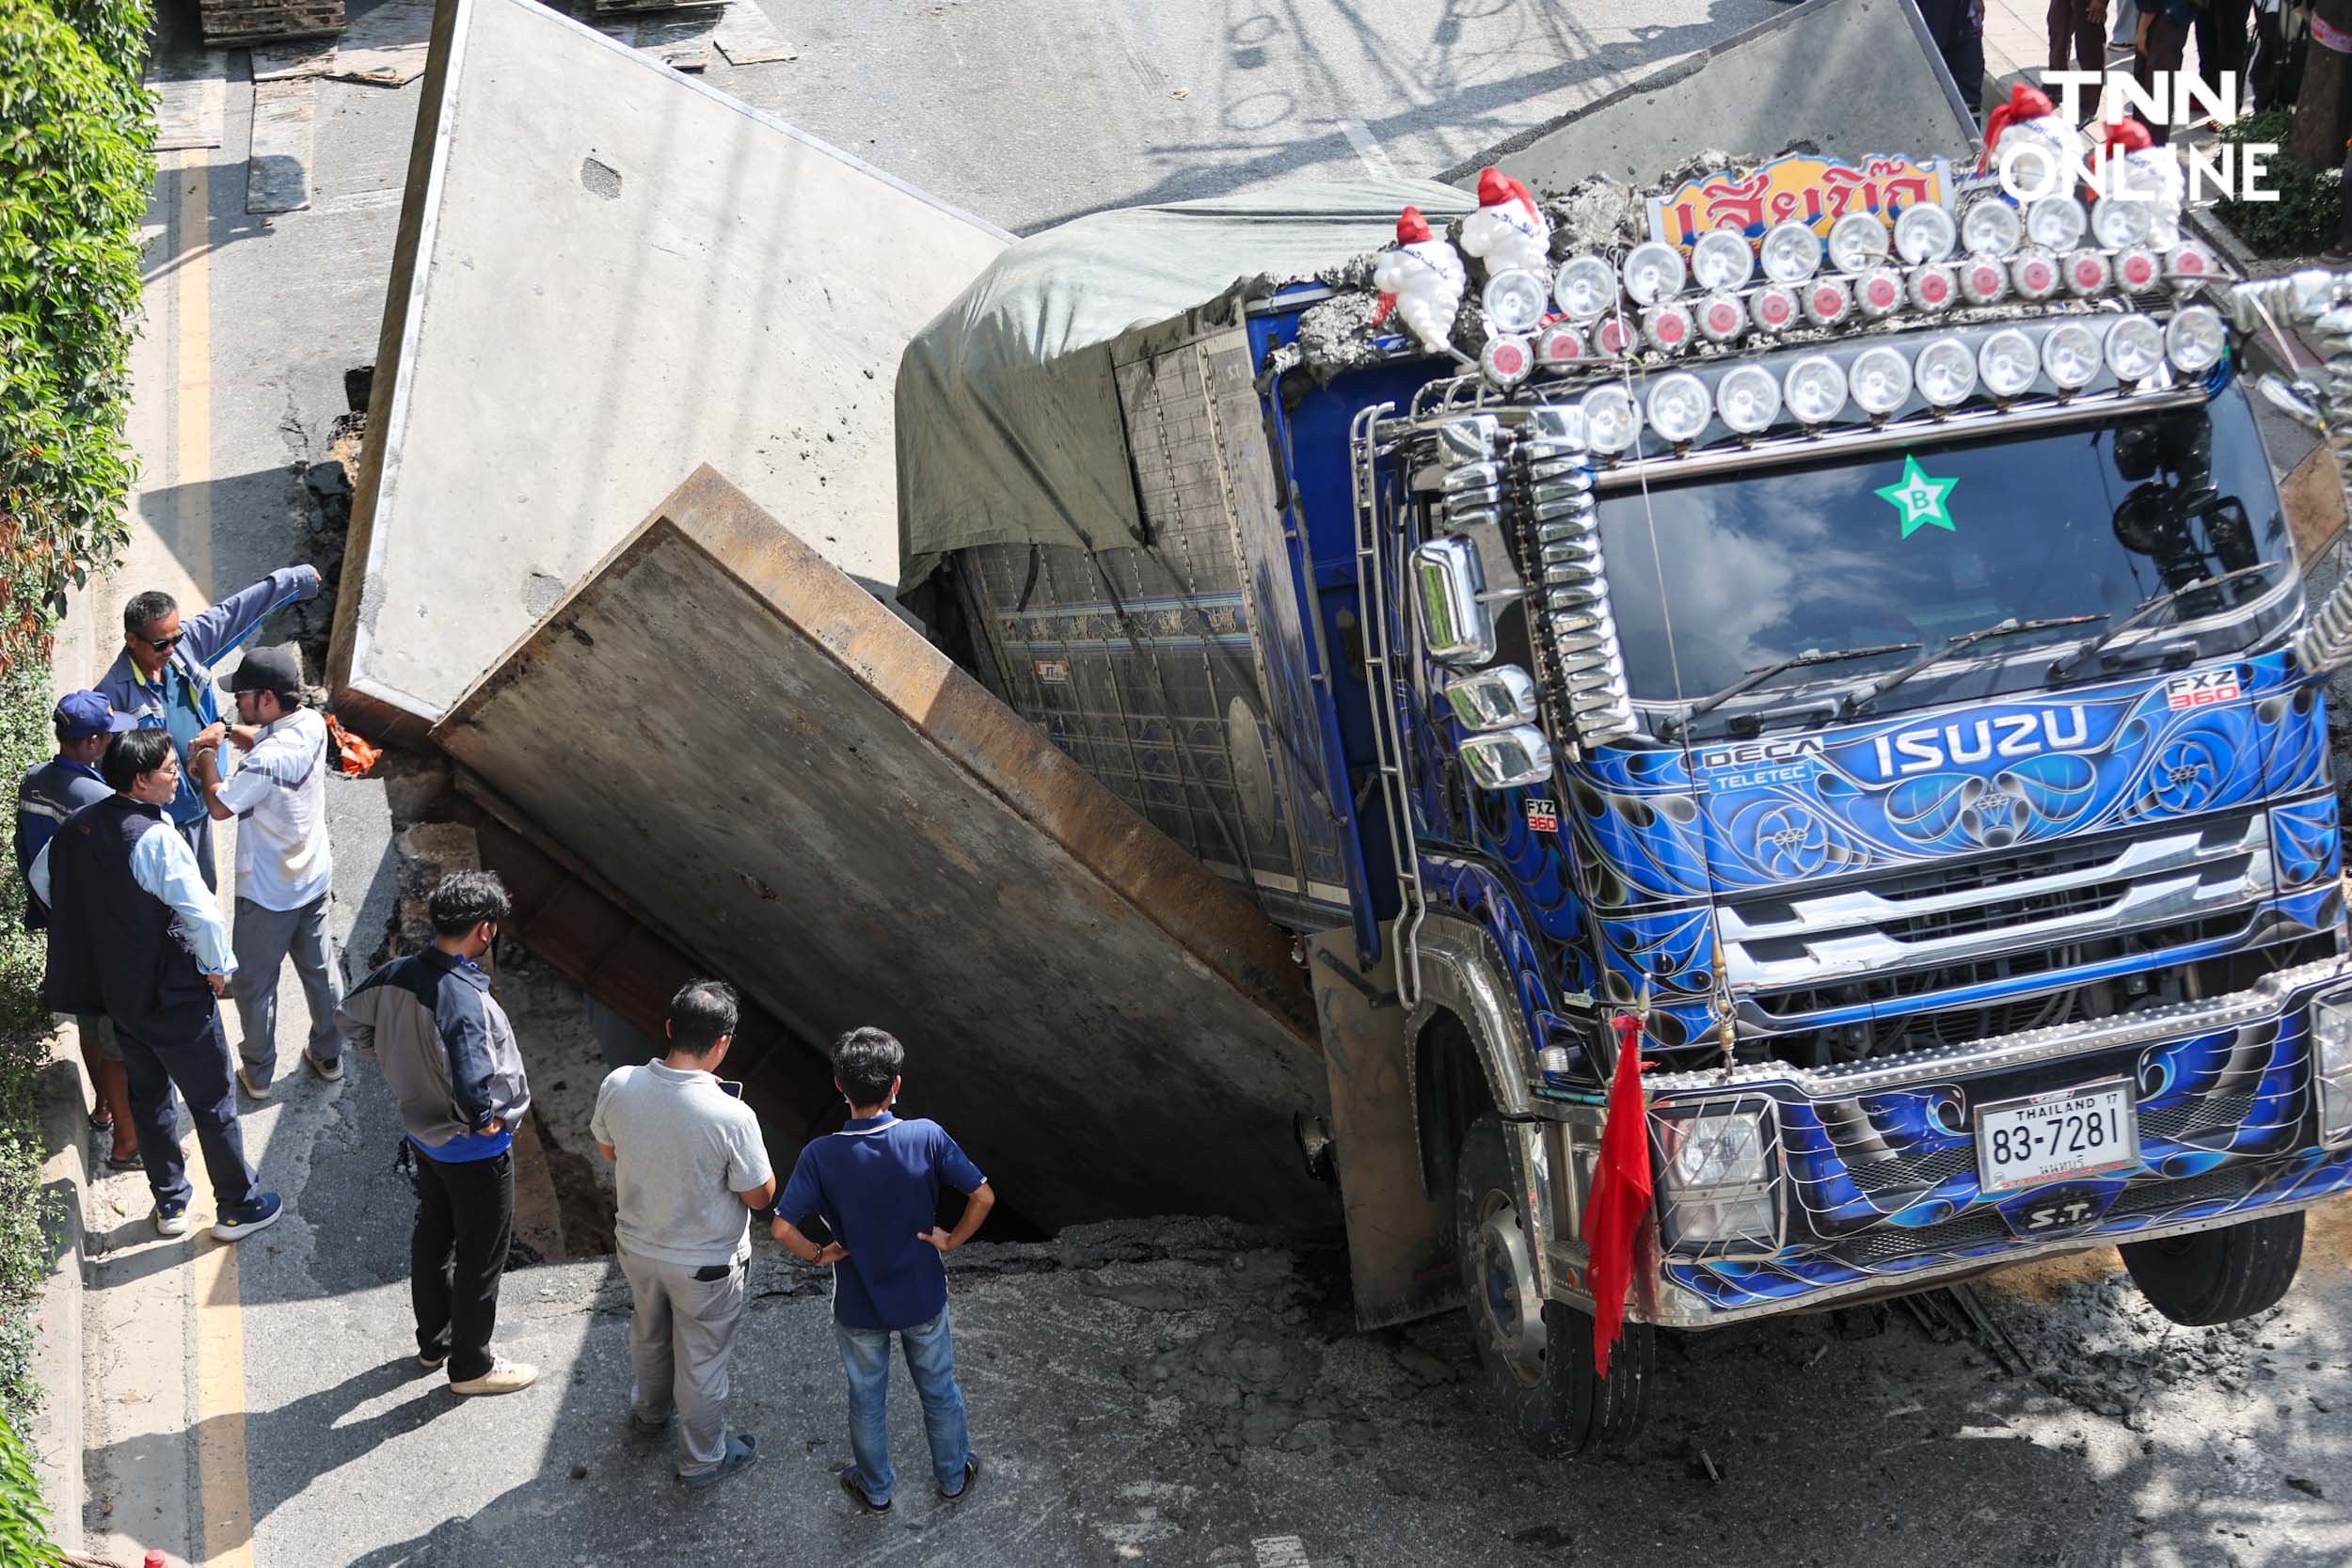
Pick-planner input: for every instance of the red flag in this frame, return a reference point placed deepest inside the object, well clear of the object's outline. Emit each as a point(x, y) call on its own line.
point(1621, 1193)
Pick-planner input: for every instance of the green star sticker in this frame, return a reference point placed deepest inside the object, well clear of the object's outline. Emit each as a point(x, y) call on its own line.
point(1919, 499)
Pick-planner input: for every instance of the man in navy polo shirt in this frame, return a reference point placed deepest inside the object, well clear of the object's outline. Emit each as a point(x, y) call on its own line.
point(877, 1184)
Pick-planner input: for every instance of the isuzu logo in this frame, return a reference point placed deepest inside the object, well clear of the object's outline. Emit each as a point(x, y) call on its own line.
point(1959, 744)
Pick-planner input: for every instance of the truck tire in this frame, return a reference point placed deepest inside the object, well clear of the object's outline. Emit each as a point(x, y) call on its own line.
point(2217, 1276)
point(1537, 1355)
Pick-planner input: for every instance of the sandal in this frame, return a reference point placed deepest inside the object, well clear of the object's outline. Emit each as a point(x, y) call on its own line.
point(102, 1121)
point(132, 1161)
point(849, 1484)
point(971, 1475)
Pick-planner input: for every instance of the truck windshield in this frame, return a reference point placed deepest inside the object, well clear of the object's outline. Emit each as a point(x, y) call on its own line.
point(1915, 546)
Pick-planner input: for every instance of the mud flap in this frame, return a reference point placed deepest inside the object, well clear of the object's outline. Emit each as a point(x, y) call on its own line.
point(1399, 1242)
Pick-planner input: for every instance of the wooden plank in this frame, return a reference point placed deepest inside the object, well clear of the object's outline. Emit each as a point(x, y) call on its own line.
point(191, 102)
point(290, 62)
point(387, 47)
point(257, 23)
point(278, 174)
point(2313, 496)
point(745, 37)
point(680, 39)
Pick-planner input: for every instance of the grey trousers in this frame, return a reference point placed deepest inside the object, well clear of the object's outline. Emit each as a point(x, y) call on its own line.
point(681, 1336)
point(262, 941)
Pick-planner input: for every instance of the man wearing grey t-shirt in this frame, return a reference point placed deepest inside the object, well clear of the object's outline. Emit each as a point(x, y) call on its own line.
point(692, 1171)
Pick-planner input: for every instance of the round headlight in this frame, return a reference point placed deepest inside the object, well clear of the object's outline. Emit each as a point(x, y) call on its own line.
point(2119, 222)
point(1791, 253)
point(1558, 348)
point(2070, 355)
point(1990, 228)
point(1933, 287)
point(1721, 318)
point(1507, 359)
point(2056, 223)
point(2006, 363)
point(2193, 340)
point(1983, 280)
point(1678, 406)
point(1813, 389)
point(1515, 300)
point(1721, 258)
point(1611, 422)
point(1653, 271)
point(1944, 371)
point(2190, 263)
point(1748, 399)
point(1667, 327)
point(2034, 275)
point(1925, 233)
point(2087, 274)
point(1880, 379)
point(2138, 269)
point(1615, 336)
point(1857, 243)
point(1586, 286)
point(2135, 348)
point(1826, 301)
point(1880, 293)
point(1774, 308)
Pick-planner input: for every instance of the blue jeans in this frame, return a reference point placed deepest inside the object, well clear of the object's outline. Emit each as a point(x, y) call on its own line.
point(931, 1362)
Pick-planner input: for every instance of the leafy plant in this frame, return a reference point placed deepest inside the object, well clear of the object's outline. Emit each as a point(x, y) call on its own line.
point(2310, 207)
point(23, 1522)
point(75, 168)
point(24, 741)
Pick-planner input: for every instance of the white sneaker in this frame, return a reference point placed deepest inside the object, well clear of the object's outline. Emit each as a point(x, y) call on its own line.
point(258, 1091)
point(171, 1219)
point(504, 1377)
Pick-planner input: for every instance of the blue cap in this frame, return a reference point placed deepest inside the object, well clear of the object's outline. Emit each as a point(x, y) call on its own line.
point(83, 714)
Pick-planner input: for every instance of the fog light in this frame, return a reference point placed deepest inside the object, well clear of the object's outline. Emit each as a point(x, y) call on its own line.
point(1515, 301)
point(2056, 223)
point(2193, 341)
point(2070, 355)
point(1826, 301)
point(1506, 360)
point(2008, 363)
point(1611, 422)
point(2191, 264)
point(1992, 227)
point(2087, 274)
point(1747, 398)
point(1615, 336)
point(1721, 319)
point(1678, 406)
point(1880, 293)
point(1946, 373)
point(1880, 380)
point(2135, 348)
point(1983, 280)
point(1722, 259)
point(1585, 289)
point(1653, 271)
point(1925, 233)
point(1774, 308)
point(1560, 348)
point(1857, 243)
point(1791, 253)
point(1813, 389)
point(2034, 275)
point(1666, 327)
point(2331, 1061)
point(1933, 287)
point(2121, 222)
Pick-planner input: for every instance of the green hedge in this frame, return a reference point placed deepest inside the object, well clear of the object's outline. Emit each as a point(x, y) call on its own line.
point(24, 1530)
point(2302, 222)
point(75, 171)
point(24, 742)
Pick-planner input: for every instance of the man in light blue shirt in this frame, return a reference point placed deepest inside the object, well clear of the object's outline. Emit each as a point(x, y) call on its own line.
point(136, 934)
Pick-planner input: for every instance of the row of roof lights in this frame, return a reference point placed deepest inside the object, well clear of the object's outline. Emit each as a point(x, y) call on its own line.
point(1582, 315)
point(1945, 372)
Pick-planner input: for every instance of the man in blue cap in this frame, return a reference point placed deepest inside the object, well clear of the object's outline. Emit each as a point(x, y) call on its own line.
point(45, 797)
point(163, 678)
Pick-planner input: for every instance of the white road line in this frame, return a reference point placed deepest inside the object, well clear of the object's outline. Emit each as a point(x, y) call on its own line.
point(1282, 1551)
point(1376, 159)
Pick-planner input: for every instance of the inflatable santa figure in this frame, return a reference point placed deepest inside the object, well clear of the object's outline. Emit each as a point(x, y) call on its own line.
point(2146, 173)
point(1422, 280)
point(1508, 231)
point(2030, 117)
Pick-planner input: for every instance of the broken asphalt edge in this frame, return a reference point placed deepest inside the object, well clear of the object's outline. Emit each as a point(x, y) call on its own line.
point(55, 1431)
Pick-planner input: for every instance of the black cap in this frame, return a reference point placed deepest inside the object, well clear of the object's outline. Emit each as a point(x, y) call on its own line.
point(268, 670)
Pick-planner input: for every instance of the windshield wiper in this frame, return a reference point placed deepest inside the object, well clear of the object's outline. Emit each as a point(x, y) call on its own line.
point(1757, 677)
point(1871, 691)
point(2063, 667)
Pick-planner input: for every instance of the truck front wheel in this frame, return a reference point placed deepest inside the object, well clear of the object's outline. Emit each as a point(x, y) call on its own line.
point(1536, 1354)
point(2217, 1276)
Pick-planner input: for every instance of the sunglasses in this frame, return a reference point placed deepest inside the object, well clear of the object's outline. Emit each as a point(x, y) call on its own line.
point(164, 644)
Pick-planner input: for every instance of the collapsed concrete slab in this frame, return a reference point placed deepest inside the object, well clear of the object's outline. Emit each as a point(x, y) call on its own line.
point(798, 787)
point(1848, 76)
point(606, 273)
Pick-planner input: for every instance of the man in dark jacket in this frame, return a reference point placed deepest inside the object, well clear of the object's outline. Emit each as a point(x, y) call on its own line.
point(449, 1057)
point(135, 934)
point(84, 722)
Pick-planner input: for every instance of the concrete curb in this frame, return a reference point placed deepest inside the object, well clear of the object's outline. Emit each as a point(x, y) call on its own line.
point(56, 1437)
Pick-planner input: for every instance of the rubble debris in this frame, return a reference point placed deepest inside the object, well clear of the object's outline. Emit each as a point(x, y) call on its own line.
point(2101, 1348)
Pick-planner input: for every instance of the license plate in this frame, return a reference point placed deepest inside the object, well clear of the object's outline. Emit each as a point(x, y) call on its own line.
point(2087, 1130)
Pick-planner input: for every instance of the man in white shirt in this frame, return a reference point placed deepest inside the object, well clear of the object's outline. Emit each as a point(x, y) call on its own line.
point(279, 796)
point(692, 1171)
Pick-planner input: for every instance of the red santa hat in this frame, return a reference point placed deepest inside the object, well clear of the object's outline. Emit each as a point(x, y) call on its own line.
point(2126, 135)
point(1411, 227)
point(2025, 103)
point(1496, 187)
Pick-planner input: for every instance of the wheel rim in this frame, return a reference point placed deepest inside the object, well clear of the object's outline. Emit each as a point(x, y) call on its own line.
point(1508, 1306)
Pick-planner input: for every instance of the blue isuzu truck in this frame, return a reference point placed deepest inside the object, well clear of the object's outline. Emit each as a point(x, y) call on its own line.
point(1861, 638)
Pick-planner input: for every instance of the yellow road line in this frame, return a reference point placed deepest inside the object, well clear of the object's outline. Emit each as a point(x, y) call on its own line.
point(222, 1490)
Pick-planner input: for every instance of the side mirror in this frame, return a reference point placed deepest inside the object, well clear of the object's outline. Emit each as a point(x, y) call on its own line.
point(1493, 699)
point(1508, 759)
point(1448, 587)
